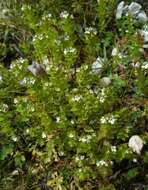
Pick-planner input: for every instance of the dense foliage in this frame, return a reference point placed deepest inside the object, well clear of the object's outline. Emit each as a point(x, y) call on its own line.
point(73, 91)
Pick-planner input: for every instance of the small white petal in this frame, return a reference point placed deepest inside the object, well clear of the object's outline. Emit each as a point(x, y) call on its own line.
point(44, 135)
point(64, 14)
point(14, 139)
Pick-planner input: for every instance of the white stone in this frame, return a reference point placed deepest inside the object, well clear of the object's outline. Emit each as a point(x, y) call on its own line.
point(114, 52)
point(15, 172)
point(144, 33)
point(97, 65)
point(105, 81)
point(136, 144)
point(120, 9)
point(134, 8)
point(145, 46)
point(1, 79)
point(142, 17)
point(36, 69)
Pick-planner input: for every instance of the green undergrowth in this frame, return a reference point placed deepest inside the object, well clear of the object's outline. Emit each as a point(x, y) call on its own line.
point(73, 91)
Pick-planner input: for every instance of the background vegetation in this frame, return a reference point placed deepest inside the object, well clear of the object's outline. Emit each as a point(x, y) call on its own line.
point(73, 91)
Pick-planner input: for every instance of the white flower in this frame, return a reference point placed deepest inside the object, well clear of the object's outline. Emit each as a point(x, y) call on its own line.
point(14, 139)
point(142, 17)
point(101, 163)
point(114, 51)
point(44, 135)
point(103, 120)
point(82, 157)
point(77, 98)
point(31, 81)
point(27, 131)
point(45, 61)
point(102, 99)
point(78, 158)
point(69, 50)
point(113, 148)
point(58, 119)
point(48, 16)
point(90, 30)
point(23, 82)
point(71, 135)
point(112, 120)
point(102, 96)
point(120, 10)
point(136, 65)
point(66, 37)
point(108, 119)
point(15, 101)
point(31, 109)
point(136, 144)
point(145, 65)
point(72, 122)
point(134, 8)
point(83, 139)
point(21, 60)
point(64, 14)
point(97, 65)
point(4, 107)
point(135, 160)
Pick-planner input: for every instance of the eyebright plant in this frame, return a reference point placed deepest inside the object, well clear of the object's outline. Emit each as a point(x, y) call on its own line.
point(69, 109)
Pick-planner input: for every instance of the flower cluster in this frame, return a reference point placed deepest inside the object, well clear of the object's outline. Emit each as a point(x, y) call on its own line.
point(145, 65)
point(108, 119)
point(101, 163)
point(90, 30)
point(47, 16)
point(77, 98)
point(3, 107)
point(79, 158)
point(64, 14)
point(113, 149)
point(69, 50)
point(27, 81)
point(86, 139)
point(102, 95)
